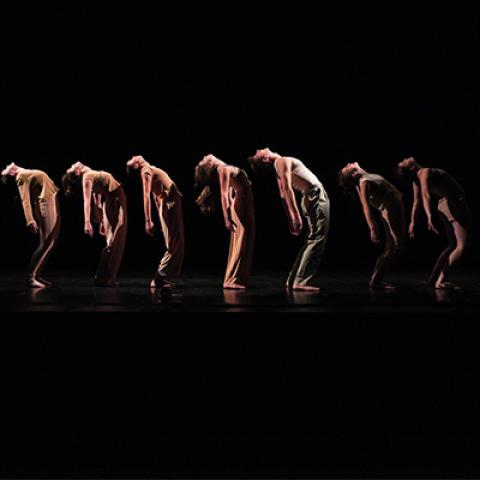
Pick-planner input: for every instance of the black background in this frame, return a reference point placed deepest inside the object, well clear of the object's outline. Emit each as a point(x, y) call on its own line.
point(327, 83)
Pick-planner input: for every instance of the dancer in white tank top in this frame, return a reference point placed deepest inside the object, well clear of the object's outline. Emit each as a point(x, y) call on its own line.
point(292, 175)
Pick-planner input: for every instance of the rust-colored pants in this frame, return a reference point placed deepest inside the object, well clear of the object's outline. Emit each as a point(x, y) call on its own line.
point(393, 219)
point(47, 216)
point(115, 222)
point(240, 253)
point(170, 212)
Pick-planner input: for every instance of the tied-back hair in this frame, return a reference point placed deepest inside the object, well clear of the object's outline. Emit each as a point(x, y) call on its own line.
point(259, 166)
point(70, 183)
point(207, 178)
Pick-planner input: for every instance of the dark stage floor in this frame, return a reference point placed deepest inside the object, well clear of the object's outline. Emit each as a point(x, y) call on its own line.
point(343, 292)
point(116, 383)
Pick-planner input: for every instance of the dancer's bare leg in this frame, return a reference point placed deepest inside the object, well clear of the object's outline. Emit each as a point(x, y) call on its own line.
point(461, 237)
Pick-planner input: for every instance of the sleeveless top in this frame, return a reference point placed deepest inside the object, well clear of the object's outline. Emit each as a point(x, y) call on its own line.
point(34, 184)
point(241, 179)
point(102, 179)
point(443, 185)
point(380, 192)
point(302, 178)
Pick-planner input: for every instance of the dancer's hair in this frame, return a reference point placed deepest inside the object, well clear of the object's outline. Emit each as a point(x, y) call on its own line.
point(206, 177)
point(259, 166)
point(8, 179)
point(347, 183)
point(405, 175)
point(70, 183)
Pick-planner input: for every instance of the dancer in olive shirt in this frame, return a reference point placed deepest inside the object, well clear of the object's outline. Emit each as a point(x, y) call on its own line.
point(377, 193)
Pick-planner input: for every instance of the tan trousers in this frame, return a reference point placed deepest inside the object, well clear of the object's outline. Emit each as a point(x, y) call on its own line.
point(393, 219)
point(115, 213)
point(240, 253)
point(47, 216)
point(170, 212)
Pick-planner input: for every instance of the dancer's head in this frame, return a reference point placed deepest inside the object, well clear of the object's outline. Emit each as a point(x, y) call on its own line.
point(71, 178)
point(9, 173)
point(206, 176)
point(135, 163)
point(407, 169)
point(262, 160)
point(349, 176)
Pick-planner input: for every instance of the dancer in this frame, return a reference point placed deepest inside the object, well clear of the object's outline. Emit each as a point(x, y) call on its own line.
point(376, 192)
point(36, 188)
point(168, 201)
point(238, 213)
point(105, 203)
point(452, 207)
point(292, 175)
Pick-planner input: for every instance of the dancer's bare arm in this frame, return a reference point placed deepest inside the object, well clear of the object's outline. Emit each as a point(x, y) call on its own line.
point(147, 204)
point(424, 176)
point(283, 167)
point(87, 198)
point(415, 209)
point(367, 212)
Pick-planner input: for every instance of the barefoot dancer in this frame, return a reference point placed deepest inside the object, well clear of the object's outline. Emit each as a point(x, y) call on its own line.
point(104, 202)
point(238, 213)
point(376, 192)
point(37, 189)
point(292, 175)
point(453, 209)
point(168, 201)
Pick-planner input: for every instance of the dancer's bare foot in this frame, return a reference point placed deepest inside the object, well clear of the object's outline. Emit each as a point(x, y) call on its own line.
point(32, 282)
point(45, 282)
point(447, 286)
point(304, 288)
point(385, 286)
point(233, 286)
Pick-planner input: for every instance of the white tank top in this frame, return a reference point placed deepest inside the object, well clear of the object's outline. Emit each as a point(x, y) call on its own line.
point(302, 178)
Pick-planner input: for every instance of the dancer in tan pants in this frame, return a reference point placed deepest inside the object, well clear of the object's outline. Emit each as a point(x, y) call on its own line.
point(453, 210)
point(238, 214)
point(168, 200)
point(37, 188)
point(377, 193)
point(105, 203)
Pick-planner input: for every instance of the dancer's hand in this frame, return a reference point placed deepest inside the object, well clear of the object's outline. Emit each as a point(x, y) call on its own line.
point(411, 230)
point(374, 237)
point(431, 227)
point(230, 226)
point(33, 227)
point(149, 228)
point(88, 229)
point(102, 231)
point(297, 225)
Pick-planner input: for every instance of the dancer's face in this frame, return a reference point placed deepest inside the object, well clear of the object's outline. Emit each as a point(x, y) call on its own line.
point(76, 168)
point(134, 162)
point(10, 169)
point(262, 154)
point(408, 163)
point(352, 170)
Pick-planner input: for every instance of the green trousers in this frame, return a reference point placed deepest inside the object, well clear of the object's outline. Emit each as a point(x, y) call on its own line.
point(316, 212)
